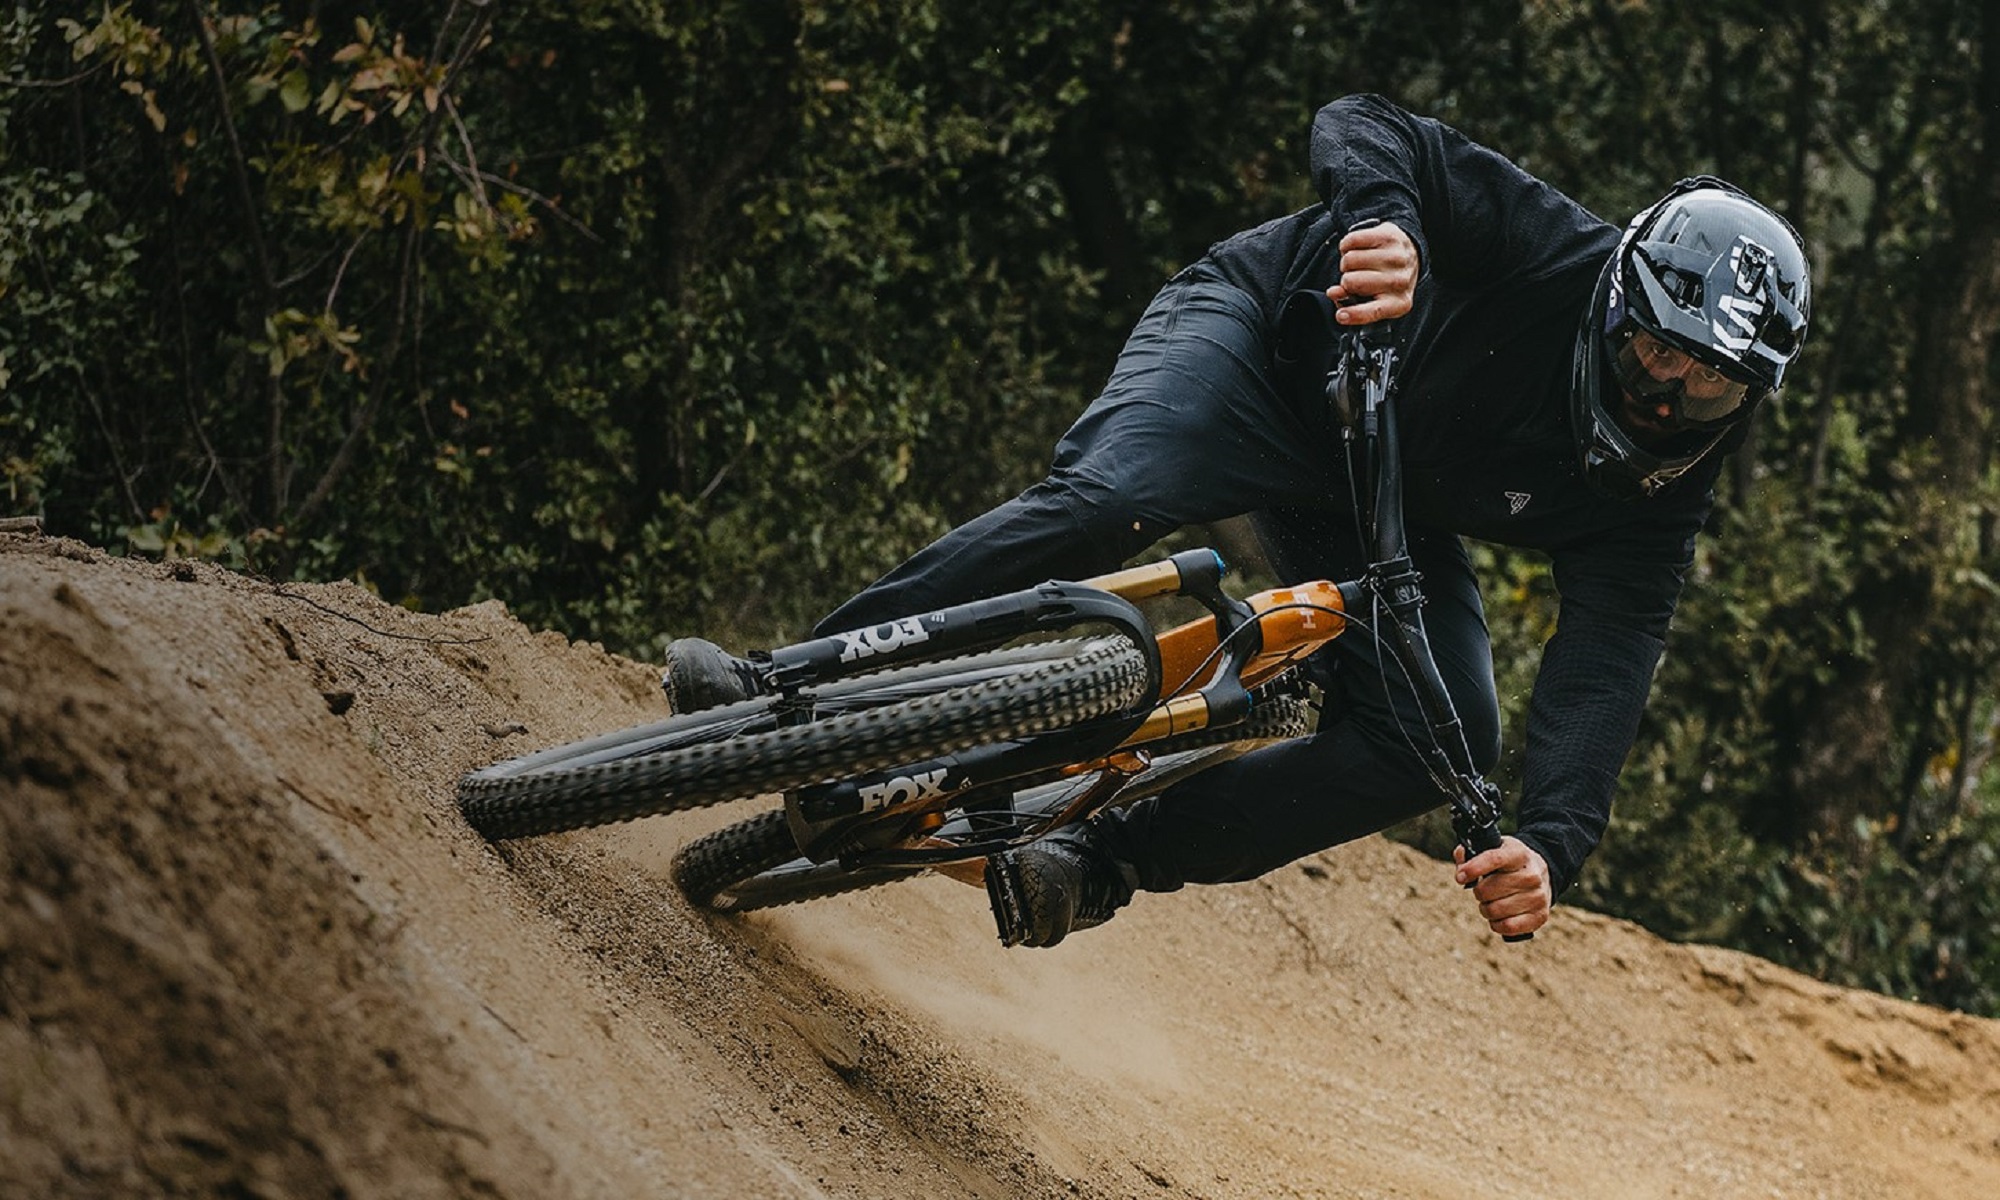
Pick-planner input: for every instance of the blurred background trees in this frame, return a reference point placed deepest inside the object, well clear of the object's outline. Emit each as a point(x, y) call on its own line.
point(654, 318)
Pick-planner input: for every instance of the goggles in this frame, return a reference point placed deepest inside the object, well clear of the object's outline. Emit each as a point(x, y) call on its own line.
point(1699, 394)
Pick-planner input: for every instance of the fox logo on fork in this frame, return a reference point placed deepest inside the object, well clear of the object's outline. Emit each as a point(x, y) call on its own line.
point(902, 789)
point(881, 639)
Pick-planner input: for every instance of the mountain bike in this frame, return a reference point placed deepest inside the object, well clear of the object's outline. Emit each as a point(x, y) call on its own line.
point(917, 745)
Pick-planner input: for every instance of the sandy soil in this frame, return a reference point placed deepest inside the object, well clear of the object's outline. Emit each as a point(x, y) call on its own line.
point(248, 947)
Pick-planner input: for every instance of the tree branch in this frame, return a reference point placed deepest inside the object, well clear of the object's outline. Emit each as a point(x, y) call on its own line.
point(364, 419)
point(245, 193)
point(79, 77)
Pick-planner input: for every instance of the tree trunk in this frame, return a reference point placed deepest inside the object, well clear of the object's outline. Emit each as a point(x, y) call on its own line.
point(1847, 760)
point(1104, 237)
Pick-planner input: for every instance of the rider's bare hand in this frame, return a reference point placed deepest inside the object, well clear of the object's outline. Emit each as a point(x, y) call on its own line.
point(1513, 891)
point(1378, 274)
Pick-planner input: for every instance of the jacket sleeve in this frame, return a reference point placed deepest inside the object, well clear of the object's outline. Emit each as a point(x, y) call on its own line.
point(1478, 220)
point(1595, 676)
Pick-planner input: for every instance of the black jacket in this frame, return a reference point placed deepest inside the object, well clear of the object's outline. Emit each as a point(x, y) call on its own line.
point(1509, 265)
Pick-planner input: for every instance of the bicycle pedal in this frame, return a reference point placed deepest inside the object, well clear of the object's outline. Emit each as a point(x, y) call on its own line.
point(1003, 892)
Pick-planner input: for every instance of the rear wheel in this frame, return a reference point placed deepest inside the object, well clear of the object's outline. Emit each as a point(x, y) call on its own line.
point(859, 725)
point(756, 864)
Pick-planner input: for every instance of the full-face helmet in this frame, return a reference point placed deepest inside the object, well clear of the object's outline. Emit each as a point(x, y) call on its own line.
point(1699, 312)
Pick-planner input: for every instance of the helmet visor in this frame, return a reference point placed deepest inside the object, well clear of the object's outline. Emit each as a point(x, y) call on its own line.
point(1699, 394)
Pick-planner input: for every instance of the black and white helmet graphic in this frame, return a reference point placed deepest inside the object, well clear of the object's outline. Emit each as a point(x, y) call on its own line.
point(1699, 313)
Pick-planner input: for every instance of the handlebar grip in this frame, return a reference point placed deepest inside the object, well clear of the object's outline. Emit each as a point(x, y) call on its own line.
point(1477, 840)
point(1375, 335)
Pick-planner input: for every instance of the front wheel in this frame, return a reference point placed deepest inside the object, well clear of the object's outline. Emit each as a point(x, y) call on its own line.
point(858, 725)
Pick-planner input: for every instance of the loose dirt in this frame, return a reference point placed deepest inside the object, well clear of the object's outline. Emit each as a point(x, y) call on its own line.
point(249, 948)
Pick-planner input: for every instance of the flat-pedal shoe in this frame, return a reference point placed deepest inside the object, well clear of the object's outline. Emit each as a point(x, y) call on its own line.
point(701, 675)
point(1046, 890)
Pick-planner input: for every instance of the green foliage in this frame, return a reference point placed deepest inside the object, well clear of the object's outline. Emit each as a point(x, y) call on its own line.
point(655, 318)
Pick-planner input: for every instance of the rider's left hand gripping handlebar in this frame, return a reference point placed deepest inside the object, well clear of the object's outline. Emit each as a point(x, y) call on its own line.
point(1478, 837)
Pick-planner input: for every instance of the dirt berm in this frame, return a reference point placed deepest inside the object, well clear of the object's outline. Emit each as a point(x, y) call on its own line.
point(249, 948)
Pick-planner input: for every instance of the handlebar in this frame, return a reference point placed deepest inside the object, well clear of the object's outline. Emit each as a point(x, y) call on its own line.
point(1360, 388)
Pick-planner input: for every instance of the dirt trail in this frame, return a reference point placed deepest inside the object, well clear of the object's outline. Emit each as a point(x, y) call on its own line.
point(247, 947)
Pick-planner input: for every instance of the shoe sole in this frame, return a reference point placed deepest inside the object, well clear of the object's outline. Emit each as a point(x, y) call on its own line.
point(1005, 893)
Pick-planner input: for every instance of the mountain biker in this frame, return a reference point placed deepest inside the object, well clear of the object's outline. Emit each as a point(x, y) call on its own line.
point(1566, 387)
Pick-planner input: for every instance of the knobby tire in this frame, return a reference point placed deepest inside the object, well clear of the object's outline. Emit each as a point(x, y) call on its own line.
point(739, 750)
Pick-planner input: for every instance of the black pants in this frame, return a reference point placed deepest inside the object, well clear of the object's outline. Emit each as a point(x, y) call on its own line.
point(1188, 430)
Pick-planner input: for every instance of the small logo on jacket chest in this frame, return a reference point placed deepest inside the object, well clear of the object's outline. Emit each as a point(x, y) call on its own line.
point(1516, 501)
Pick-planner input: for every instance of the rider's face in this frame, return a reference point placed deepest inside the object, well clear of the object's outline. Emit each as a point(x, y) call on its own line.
point(1664, 391)
point(1648, 422)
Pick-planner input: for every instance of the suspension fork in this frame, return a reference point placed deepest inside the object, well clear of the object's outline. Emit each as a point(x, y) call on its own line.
point(826, 818)
point(1197, 574)
point(961, 629)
